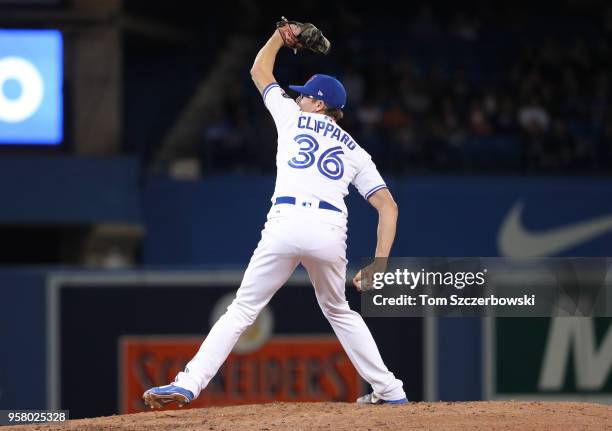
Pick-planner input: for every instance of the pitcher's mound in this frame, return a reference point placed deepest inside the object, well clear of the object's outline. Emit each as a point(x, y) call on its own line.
point(490, 415)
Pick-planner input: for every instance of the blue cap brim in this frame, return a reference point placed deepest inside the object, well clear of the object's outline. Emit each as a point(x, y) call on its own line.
point(302, 90)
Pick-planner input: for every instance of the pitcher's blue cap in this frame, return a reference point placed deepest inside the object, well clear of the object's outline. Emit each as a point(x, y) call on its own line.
point(325, 88)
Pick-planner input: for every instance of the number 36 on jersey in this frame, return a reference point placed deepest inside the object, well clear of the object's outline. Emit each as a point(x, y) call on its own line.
point(328, 162)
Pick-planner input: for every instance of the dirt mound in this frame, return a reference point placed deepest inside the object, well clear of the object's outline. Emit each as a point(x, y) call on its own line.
point(491, 415)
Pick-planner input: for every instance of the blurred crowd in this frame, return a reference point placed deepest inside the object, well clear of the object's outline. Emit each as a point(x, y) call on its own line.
point(449, 96)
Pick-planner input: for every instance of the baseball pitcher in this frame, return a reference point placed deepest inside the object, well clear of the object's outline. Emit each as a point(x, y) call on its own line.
point(316, 161)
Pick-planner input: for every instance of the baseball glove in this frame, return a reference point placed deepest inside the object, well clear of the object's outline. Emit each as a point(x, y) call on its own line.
point(298, 36)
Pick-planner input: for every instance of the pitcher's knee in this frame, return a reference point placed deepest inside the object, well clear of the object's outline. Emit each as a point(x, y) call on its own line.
point(332, 311)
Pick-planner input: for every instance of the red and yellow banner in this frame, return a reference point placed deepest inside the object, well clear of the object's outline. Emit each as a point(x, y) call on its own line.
point(309, 368)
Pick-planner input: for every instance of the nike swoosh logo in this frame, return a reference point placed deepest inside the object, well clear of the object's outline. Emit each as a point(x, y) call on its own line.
point(515, 241)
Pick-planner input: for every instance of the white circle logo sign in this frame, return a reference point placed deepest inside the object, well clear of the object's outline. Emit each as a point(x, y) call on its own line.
point(32, 89)
point(256, 335)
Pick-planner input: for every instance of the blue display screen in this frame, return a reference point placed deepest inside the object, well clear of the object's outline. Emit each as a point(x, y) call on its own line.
point(31, 97)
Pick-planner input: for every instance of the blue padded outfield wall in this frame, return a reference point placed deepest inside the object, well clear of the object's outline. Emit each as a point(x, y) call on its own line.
point(69, 190)
point(219, 220)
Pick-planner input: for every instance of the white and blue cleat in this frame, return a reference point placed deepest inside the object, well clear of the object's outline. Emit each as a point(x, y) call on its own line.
point(374, 399)
point(160, 396)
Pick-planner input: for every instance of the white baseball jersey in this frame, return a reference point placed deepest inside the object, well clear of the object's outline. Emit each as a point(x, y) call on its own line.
point(316, 159)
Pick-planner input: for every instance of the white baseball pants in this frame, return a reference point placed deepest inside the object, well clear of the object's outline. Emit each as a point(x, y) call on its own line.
point(294, 235)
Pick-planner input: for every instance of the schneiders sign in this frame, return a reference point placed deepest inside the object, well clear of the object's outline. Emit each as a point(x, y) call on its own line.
point(285, 368)
point(487, 286)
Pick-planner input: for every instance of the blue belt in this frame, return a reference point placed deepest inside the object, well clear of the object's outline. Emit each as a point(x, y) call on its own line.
point(291, 201)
